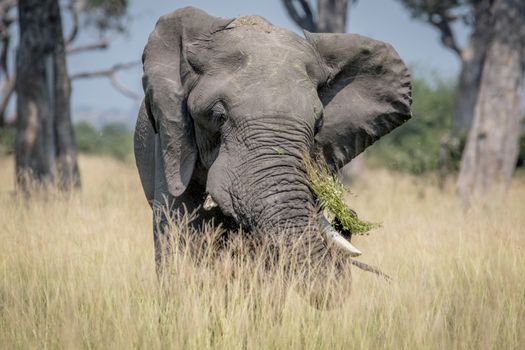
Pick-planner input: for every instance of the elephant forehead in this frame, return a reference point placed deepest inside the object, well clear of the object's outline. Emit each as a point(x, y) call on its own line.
point(256, 71)
point(270, 46)
point(255, 95)
point(248, 47)
point(257, 22)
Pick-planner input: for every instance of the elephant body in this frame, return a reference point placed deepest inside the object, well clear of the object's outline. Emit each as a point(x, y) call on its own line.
point(232, 107)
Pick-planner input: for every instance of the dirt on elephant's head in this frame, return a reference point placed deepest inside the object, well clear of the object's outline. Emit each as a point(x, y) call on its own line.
point(255, 21)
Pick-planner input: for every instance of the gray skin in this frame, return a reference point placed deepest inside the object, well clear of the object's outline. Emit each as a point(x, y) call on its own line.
point(232, 106)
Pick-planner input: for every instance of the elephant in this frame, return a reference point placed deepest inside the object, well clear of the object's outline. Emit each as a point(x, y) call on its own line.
point(230, 108)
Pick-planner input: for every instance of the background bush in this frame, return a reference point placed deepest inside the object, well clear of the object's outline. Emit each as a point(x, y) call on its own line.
point(415, 146)
point(7, 141)
point(114, 139)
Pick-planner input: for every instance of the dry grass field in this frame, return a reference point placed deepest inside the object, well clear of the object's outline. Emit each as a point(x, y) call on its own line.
point(79, 273)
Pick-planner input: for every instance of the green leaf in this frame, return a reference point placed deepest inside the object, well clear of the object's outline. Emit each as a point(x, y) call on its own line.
point(330, 194)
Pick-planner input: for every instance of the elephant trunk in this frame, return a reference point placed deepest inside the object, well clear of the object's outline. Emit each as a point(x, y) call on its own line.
point(312, 259)
point(275, 203)
point(321, 253)
point(269, 194)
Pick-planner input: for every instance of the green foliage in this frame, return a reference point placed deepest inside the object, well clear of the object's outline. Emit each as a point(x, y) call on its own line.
point(415, 146)
point(87, 137)
point(437, 11)
point(7, 141)
point(330, 193)
point(107, 14)
point(114, 139)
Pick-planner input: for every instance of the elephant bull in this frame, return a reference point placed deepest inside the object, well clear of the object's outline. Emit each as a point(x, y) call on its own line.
point(232, 106)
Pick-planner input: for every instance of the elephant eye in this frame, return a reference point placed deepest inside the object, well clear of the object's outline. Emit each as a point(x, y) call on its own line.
point(218, 115)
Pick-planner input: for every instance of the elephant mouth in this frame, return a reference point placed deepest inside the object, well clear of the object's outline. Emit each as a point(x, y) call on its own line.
point(331, 236)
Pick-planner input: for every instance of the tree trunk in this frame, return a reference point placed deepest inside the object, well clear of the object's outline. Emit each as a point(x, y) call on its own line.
point(45, 146)
point(7, 91)
point(472, 60)
point(331, 16)
point(491, 152)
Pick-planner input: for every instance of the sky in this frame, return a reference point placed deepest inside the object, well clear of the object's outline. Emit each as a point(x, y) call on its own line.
point(416, 42)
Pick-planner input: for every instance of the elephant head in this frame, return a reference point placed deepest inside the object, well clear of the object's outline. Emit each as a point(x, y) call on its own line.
point(235, 105)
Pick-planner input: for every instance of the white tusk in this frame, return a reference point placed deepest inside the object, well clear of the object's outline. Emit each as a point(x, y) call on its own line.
point(209, 203)
point(335, 238)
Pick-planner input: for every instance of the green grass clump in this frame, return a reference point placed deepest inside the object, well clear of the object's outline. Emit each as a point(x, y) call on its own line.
point(330, 193)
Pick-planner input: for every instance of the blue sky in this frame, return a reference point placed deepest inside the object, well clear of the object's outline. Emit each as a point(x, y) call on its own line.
point(417, 43)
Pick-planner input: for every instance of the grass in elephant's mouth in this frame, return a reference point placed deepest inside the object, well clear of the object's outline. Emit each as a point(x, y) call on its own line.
point(331, 193)
point(79, 273)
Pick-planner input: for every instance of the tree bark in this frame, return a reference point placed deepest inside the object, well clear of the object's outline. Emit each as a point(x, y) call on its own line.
point(472, 59)
point(331, 16)
point(7, 90)
point(491, 152)
point(45, 146)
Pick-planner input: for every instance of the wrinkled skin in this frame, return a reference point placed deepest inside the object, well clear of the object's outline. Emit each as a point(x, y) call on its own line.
point(231, 108)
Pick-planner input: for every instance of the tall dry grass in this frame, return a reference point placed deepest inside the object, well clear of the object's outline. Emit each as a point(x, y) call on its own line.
point(79, 273)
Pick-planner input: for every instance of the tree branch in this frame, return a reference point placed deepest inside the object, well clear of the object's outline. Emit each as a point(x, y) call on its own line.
point(4, 53)
point(5, 37)
point(441, 19)
point(111, 73)
point(104, 72)
point(6, 6)
point(307, 21)
point(74, 10)
point(123, 89)
point(100, 45)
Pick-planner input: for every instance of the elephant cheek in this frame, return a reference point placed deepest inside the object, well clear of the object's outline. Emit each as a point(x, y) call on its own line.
point(208, 145)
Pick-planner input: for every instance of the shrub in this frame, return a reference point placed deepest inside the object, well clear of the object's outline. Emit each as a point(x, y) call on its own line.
point(7, 141)
point(415, 146)
point(115, 139)
point(87, 137)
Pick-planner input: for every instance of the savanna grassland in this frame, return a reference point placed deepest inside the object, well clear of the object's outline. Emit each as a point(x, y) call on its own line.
point(79, 273)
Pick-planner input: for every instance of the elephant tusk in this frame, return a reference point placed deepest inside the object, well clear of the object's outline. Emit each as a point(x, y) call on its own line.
point(333, 237)
point(209, 203)
point(339, 241)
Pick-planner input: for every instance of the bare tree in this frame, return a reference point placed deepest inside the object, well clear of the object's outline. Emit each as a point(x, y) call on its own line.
point(105, 16)
point(442, 14)
point(45, 146)
point(331, 16)
point(490, 156)
point(7, 80)
point(111, 73)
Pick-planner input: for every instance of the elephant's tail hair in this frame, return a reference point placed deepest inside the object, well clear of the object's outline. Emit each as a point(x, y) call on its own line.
point(369, 268)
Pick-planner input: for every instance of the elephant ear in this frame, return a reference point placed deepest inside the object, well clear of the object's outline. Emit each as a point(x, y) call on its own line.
point(166, 75)
point(365, 90)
